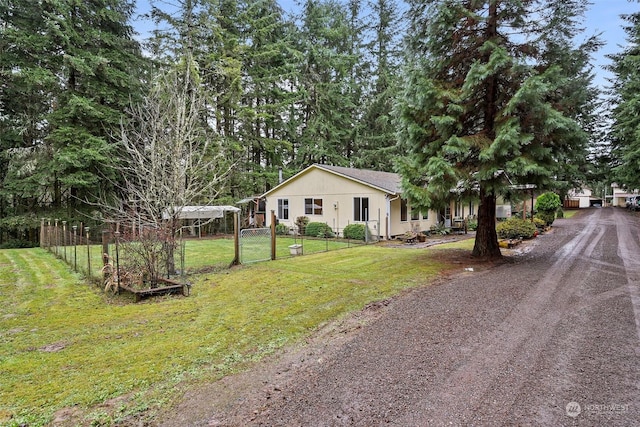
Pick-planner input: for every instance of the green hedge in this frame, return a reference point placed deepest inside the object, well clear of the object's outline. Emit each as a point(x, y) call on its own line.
point(547, 217)
point(318, 229)
point(539, 222)
point(516, 228)
point(282, 229)
point(354, 232)
point(548, 202)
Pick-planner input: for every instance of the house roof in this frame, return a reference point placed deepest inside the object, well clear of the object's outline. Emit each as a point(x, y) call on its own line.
point(387, 182)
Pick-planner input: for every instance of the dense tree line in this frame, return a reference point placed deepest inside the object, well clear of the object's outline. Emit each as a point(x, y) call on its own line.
point(67, 71)
point(460, 90)
point(282, 92)
point(625, 131)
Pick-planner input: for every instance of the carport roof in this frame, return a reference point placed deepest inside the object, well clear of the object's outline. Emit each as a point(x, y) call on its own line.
point(202, 212)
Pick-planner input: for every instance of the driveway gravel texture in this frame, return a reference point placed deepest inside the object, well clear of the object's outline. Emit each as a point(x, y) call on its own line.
point(550, 336)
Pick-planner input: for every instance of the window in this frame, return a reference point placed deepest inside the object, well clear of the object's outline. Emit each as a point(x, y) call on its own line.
point(415, 214)
point(313, 206)
point(283, 208)
point(425, 214)
point(472, 209)
point(361, 209)
point(403, 210)
point(459, 210)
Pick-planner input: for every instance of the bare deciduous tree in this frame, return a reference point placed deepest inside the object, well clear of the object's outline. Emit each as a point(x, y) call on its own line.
point(170, 157)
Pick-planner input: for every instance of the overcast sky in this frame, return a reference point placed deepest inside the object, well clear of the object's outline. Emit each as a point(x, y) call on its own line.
point(603, 17)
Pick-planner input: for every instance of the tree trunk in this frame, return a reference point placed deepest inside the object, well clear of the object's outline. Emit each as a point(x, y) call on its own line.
point(170, 242)
point(486, 244)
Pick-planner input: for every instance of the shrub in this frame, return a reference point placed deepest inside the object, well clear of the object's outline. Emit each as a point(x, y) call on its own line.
point(548, 202)
point(301, 223)
point(282, 229)
point(547, 217)
point(439, 229)
point(560, 213)
point(539, 222)
point(516, 228)
point(18, 244)
point(354, 232)
point(318, 229)
point(472, 224)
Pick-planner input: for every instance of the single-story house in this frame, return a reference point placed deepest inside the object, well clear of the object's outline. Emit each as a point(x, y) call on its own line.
point(339, 196)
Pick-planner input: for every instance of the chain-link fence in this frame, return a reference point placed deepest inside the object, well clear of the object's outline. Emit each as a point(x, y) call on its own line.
point(320, 237)
point(255, 245)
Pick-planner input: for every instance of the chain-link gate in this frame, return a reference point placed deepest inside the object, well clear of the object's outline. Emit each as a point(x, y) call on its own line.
point(255, 245)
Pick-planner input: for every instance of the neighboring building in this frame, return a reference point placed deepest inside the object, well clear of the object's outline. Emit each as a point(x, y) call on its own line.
point(620, 195)
point(581, 198)
point(340, 196)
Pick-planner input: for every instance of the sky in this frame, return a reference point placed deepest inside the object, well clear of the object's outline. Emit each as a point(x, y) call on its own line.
point(603, 18)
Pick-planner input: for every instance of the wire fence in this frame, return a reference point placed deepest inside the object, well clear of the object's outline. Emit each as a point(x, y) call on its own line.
point(75, 244)
point(255, 245)
point(303, 240)
point(144, 255)
point(134, 252)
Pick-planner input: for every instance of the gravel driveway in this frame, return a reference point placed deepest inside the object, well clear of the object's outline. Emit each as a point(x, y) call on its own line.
point(550, 337)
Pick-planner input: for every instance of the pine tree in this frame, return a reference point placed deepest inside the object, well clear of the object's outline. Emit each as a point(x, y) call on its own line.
point(326, 85)
point(626, 115)
point(479, 108)
point(269, 64)
point(375, 144)
point(28, 83)
point(100, 70)
point(71, 69)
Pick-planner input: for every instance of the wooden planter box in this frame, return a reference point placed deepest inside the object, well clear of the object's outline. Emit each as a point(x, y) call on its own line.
point(170, 287)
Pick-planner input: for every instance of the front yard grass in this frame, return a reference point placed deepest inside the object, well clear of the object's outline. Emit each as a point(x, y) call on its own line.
point(63, 344)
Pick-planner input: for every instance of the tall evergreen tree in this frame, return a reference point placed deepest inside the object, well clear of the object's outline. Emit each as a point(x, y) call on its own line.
point(100, 73)
point(626, 115)
point(326, 84)
point(479, 108)
point(68, 68)
point(376, 146)
point(269, 65)
point(243, 51)
point(28, 81)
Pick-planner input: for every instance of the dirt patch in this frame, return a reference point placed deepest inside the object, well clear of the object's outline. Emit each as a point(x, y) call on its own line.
point(429, 241)
point(54, 347)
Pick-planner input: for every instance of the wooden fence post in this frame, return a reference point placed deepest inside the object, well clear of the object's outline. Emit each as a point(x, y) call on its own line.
point(88, 253)
point(273, 235)
point(236, 238)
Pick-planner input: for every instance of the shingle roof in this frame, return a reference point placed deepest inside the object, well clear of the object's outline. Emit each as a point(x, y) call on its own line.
point(387, 181)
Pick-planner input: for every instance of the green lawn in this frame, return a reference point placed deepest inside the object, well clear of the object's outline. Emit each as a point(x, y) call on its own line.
point(65, 345)
point(569, 213)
